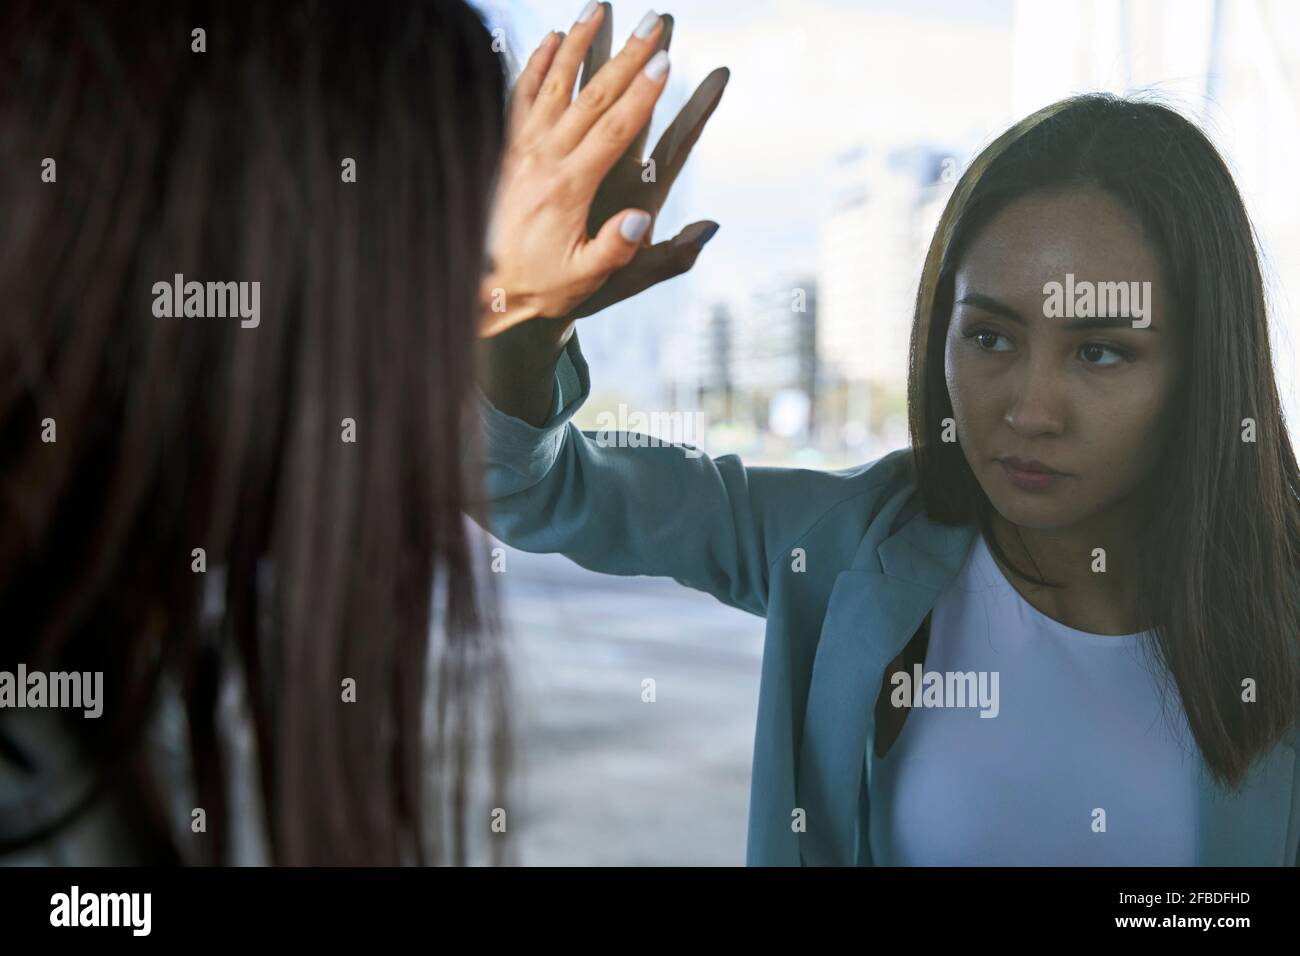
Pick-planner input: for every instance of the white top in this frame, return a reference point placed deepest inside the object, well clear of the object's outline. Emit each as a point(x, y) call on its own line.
point(1075, 764)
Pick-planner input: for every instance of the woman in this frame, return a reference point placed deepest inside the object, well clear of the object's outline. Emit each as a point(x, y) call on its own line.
point(190, 492)
point(1083, 576)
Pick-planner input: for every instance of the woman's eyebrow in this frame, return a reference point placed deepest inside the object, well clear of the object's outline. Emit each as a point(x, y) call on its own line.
point(989, 304)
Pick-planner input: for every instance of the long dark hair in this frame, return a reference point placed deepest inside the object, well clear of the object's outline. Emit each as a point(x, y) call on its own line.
point(1221, 581)
point(182, 433)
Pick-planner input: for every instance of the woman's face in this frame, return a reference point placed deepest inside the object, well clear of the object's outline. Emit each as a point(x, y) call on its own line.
point(1082, 396)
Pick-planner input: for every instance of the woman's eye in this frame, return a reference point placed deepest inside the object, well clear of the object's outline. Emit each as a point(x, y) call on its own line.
point(985, 339)
point(1092, 349)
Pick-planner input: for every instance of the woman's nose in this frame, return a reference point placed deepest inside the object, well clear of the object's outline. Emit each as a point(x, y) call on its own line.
point(1037, 405)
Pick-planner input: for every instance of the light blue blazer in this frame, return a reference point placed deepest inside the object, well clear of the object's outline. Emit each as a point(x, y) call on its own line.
point(875, 565)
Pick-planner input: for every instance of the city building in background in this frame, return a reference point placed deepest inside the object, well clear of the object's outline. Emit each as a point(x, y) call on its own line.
point(880, 207)
point(752, 368)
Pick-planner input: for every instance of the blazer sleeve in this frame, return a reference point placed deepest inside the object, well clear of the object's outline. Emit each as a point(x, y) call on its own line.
point(671, 511)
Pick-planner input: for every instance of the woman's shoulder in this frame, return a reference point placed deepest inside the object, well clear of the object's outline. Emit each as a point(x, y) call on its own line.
point(831, 509)
point(857, 487)
point(891, 472)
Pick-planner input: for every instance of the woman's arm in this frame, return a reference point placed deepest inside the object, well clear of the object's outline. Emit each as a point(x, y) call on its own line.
point(711, 524)
point(517, 368)
point(609, 506)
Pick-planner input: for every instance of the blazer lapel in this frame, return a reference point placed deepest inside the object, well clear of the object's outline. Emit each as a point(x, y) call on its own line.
point(874, 609)
point(869, 618)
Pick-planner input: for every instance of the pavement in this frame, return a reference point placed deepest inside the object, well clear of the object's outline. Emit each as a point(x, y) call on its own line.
point(606, 778)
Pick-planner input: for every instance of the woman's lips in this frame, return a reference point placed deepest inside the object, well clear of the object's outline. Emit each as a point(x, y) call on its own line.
point(1029, 477)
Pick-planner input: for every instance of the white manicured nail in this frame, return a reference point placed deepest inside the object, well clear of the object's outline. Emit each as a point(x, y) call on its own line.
point(634, 225)
point(646, 26)
point(588, 12)
point(657, 66)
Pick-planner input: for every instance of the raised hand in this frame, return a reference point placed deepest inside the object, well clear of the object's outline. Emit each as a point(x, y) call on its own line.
point(573, 213)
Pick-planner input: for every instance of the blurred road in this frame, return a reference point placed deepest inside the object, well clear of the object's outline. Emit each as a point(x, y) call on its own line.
point(606, 778)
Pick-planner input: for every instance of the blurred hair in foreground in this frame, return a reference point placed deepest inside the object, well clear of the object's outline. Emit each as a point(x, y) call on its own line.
point(174, 434)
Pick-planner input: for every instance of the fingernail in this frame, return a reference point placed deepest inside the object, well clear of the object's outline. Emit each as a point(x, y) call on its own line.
point(646, 26)
point(588, 12)
point(634, 225)
point(657, 66)
point(696, 237)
